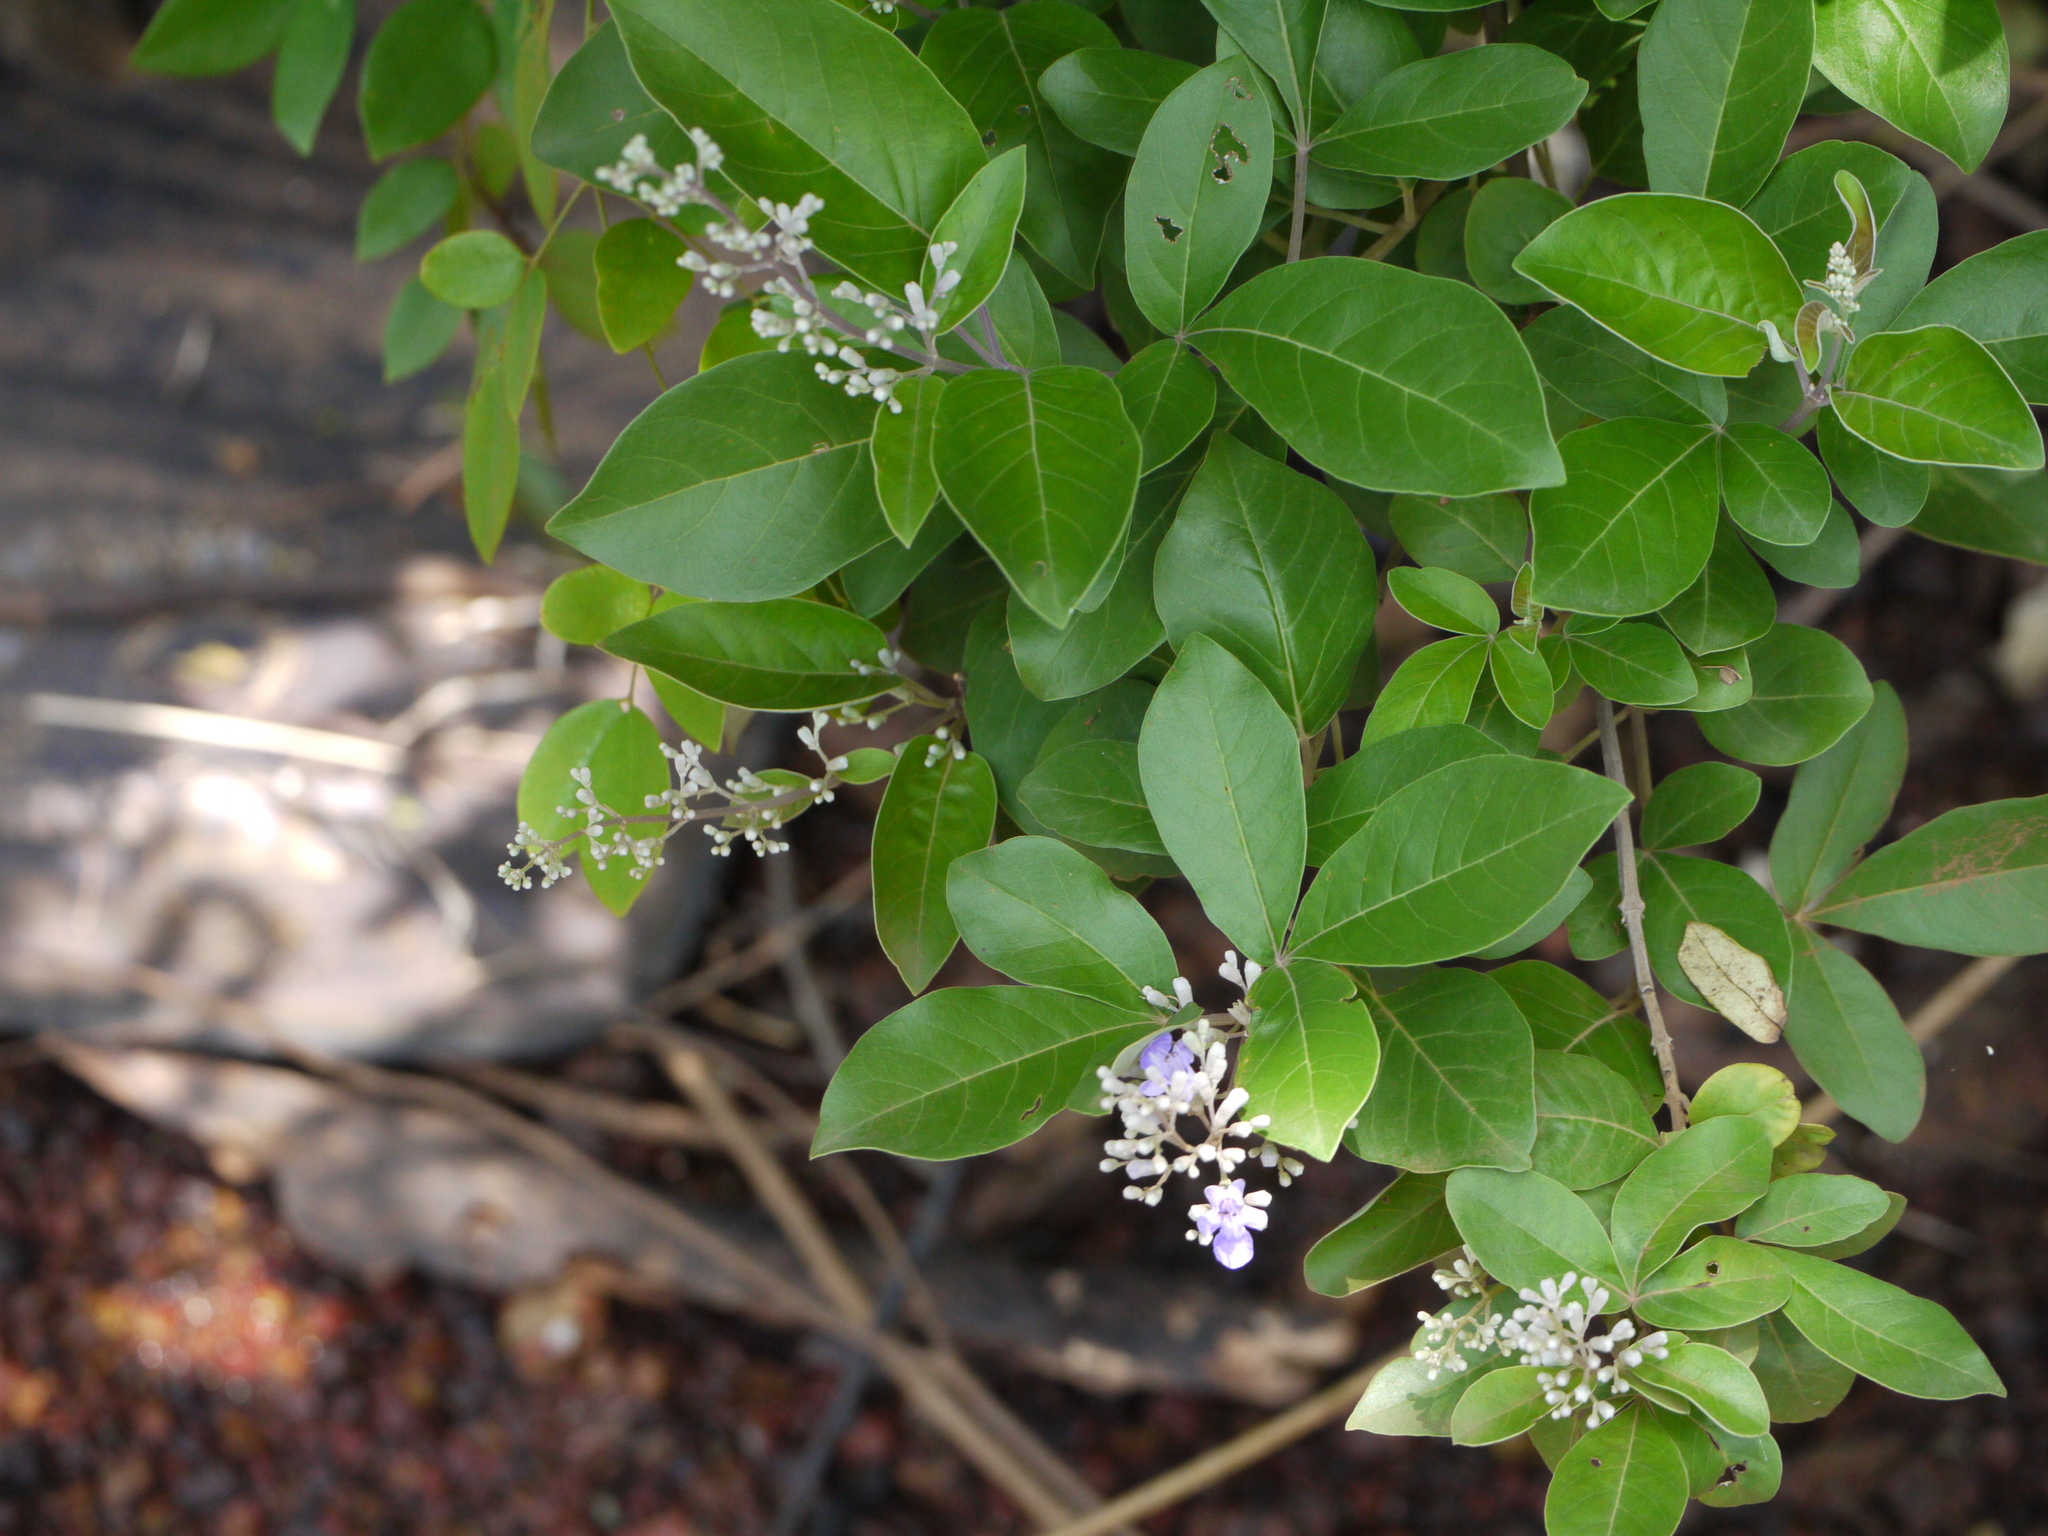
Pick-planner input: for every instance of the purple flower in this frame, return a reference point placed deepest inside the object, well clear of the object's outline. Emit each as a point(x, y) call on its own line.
point(1162, 1057)
point(1227, 1222)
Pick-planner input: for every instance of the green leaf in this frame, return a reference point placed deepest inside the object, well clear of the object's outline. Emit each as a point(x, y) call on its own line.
point(1169, 397)
point(1877, 1330)
point(882, 575)
point(1038, 911)
point(964, 1070)
point(1634, 664)
point(1107, 95)
point(210, 37)
point(1454, 115)
point(1834, 559)
point(1311, 1058)
point(1457, 1078)
point(1700, 804)
point(933, 814)
point(782, 655)
point(1444, 599)
point(1840, 800)
point(1809, 690)
point(1343, 798)
point(1888, 491)
point(427, 66)
point(1632, 526)
point(1810, 1210)
point(807, 96)
point(1432, 687)
point(1801, 211)
point(1197, 193)
point(1602, 375)
point(639, 284)
point(1774, 489)
point(1688, 280)
point(1522, 679)
point(1319, 347)
point(407, 201)
point(1869, 1237)
point(1800, 1383)
point(1719, 1282)
point(1454, 862)
point(1721, 82)
point(1713, 1171)
point(1847, 1033)
point(1404, 1399)
point(1091, 793)
point(701, 719)
point(1594, 926)
point(1506, 214)
point(1565, 1014)
point(982, 223)
point(1100, 646)
point(1973, 880)
point(1590, 1124)
point(417, 331)
point(1281, 38)
point(1936, 68)
point(1404, 1225)
point(1483, 538)
point(1763, 1093)
point(1713, 1381)
point(622, 750)
point(990, 61)
point(1222, 774)
point(1936, 396)
point(490, 454)
point(1730, 605)
point(1499, 1406)
point(584, 606)
point(1752, 1470)
point(477, 269)
point(1997, 297)
point(1042, 468)
point(596, 105)
point(311, 55)
point(1625, 1478)
point(1679, 890)
point(906, 484)
point(748, 482)
point(1983, 509)
point(1270, 565)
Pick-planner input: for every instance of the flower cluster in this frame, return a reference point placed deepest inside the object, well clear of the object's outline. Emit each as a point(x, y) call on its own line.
point(749, 809)
point(1843, 284)
point(1179, 1075)
point(795, 314)
point(639, 175)
point(1452, 1336)
point(1552, 1330)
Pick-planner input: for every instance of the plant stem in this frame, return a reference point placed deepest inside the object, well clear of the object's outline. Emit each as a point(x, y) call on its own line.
point(1632, 918)
point(1413, 207)
point(1300, 199)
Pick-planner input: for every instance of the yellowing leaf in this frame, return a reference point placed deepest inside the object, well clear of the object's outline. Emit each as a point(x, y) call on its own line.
point(1737, 981)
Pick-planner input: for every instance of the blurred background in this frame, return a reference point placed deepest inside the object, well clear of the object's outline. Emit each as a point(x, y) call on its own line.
point(341, 1190)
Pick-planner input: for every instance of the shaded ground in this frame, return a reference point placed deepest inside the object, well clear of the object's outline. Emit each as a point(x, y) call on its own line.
point(168, 1361)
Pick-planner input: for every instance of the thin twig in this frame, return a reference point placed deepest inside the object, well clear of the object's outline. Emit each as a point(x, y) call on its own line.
point(846, 893)
point(1949, 1003)
point(1300, 199)
point(1413, 206)
point(1234, 1455)
point(1632, 918)
point(801, 1486)
point(666, 1124)
point(1639, 738)
point(806, 996)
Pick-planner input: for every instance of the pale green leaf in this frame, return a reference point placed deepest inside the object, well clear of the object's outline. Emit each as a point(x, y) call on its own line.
point(968, 1069)
point(932, 814)
point(1897, 1339)
point(1222, 775)
point(1715, 1170)
point(1633, 525)
point(751, 481)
